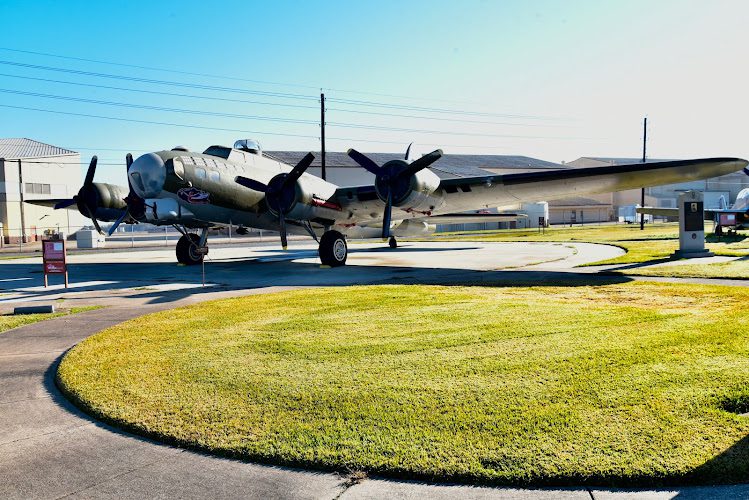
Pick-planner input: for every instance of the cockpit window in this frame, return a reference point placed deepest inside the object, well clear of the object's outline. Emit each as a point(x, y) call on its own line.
point(214, 176)
point(200, 173)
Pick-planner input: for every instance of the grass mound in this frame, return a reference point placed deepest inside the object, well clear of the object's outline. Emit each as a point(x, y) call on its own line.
point(610, 385)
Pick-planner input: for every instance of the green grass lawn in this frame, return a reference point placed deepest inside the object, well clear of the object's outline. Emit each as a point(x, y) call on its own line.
point(624, 384)
point(10, 321)
point(737, 269)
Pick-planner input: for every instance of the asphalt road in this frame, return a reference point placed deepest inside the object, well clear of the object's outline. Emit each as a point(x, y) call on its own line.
point(49, 449)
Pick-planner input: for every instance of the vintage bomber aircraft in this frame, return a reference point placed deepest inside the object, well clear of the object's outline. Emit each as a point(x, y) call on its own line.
point(244, 187)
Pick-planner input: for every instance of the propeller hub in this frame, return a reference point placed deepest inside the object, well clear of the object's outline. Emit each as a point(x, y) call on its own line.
point(280, 197)
point(390, 181)
point(147, 175)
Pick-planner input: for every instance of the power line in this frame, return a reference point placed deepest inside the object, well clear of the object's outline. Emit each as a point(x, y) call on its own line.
point(162, 82)
point(275, 94)
point(234, 78)
point(265, 103)
point(131, 120)
point(159, 108)
point(200, 127)
point(267, 118)
point(156, 92)
point(437, 110)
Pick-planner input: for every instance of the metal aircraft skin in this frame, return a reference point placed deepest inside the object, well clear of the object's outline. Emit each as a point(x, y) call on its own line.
point(246, 188)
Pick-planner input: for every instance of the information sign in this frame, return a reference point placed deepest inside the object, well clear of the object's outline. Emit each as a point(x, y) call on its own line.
point(54, 258)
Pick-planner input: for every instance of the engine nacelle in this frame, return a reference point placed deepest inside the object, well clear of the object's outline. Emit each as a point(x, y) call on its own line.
point(411, 227)
point(410, 191)
point(306, 200)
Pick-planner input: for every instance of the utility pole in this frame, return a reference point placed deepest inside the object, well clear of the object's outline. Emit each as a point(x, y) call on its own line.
point(23, 215)
point(322, 135)
point(644, 157)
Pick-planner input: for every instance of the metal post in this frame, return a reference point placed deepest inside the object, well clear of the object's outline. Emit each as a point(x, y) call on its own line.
point(23, 215)
point(644, 150)
point(322, 135)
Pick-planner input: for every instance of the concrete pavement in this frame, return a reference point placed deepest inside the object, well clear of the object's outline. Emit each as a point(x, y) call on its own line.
point(49, 449)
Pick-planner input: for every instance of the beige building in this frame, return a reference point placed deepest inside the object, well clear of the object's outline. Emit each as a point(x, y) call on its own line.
point(33, 170)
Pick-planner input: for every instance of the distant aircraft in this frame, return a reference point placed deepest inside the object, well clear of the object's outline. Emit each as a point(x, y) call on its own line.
point(732, 218)
point(242, 186)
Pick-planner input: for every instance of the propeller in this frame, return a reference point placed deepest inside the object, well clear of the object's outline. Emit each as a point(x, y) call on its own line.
point(393, 179)
point(136, 206)
point(280, 192)
point(87, 198)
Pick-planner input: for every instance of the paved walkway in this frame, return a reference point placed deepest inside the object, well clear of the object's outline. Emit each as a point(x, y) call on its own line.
point(49, 449)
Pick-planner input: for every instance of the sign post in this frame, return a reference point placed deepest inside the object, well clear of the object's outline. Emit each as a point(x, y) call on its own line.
point(54, 258)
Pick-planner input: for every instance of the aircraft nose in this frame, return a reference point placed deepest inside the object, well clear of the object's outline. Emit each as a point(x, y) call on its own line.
point(147, 175)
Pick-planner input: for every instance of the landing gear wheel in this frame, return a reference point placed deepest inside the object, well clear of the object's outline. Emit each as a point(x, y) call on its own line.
point(333, 249)
point(392, 242)
point(187, 250)
point(718, 230)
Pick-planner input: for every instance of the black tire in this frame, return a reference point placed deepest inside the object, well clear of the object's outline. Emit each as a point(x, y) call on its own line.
point(186, 250)
point(392, 242)
point(333, 249)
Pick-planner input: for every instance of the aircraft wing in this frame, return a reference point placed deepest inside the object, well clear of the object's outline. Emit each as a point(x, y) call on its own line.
point(360, 204)
point(51, 202)
point(495, 190)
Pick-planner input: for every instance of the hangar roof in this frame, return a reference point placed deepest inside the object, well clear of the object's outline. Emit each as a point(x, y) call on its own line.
point(451, 164)
point(28, 148)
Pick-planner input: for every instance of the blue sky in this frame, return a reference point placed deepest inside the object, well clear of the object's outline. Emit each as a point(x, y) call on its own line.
point(550, 79)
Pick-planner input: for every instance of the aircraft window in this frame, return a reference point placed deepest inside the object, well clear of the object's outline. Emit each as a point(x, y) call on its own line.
point(214, 176)
point(200, 173)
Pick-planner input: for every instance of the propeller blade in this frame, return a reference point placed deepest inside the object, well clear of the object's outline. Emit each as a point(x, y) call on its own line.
point(408, 152)
point(251, 184)
point(64, 204)
point(298, 170)
point(117, 223)
point(421, 163)
point(746, 171)
point(282, 230)
point(364, 162)
point(96, 224)
point(387, 216)
point(91, 171)
point(128, 160)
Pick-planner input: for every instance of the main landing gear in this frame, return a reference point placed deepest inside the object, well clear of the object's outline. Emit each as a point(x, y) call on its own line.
point(392, 242)
point(191, 248)
point(333, 249)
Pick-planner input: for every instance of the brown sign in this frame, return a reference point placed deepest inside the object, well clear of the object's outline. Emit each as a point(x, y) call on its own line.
point(54, 258)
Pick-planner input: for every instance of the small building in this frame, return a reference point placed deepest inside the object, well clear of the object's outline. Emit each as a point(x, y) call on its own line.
point(34, 170)
point(579, 210)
